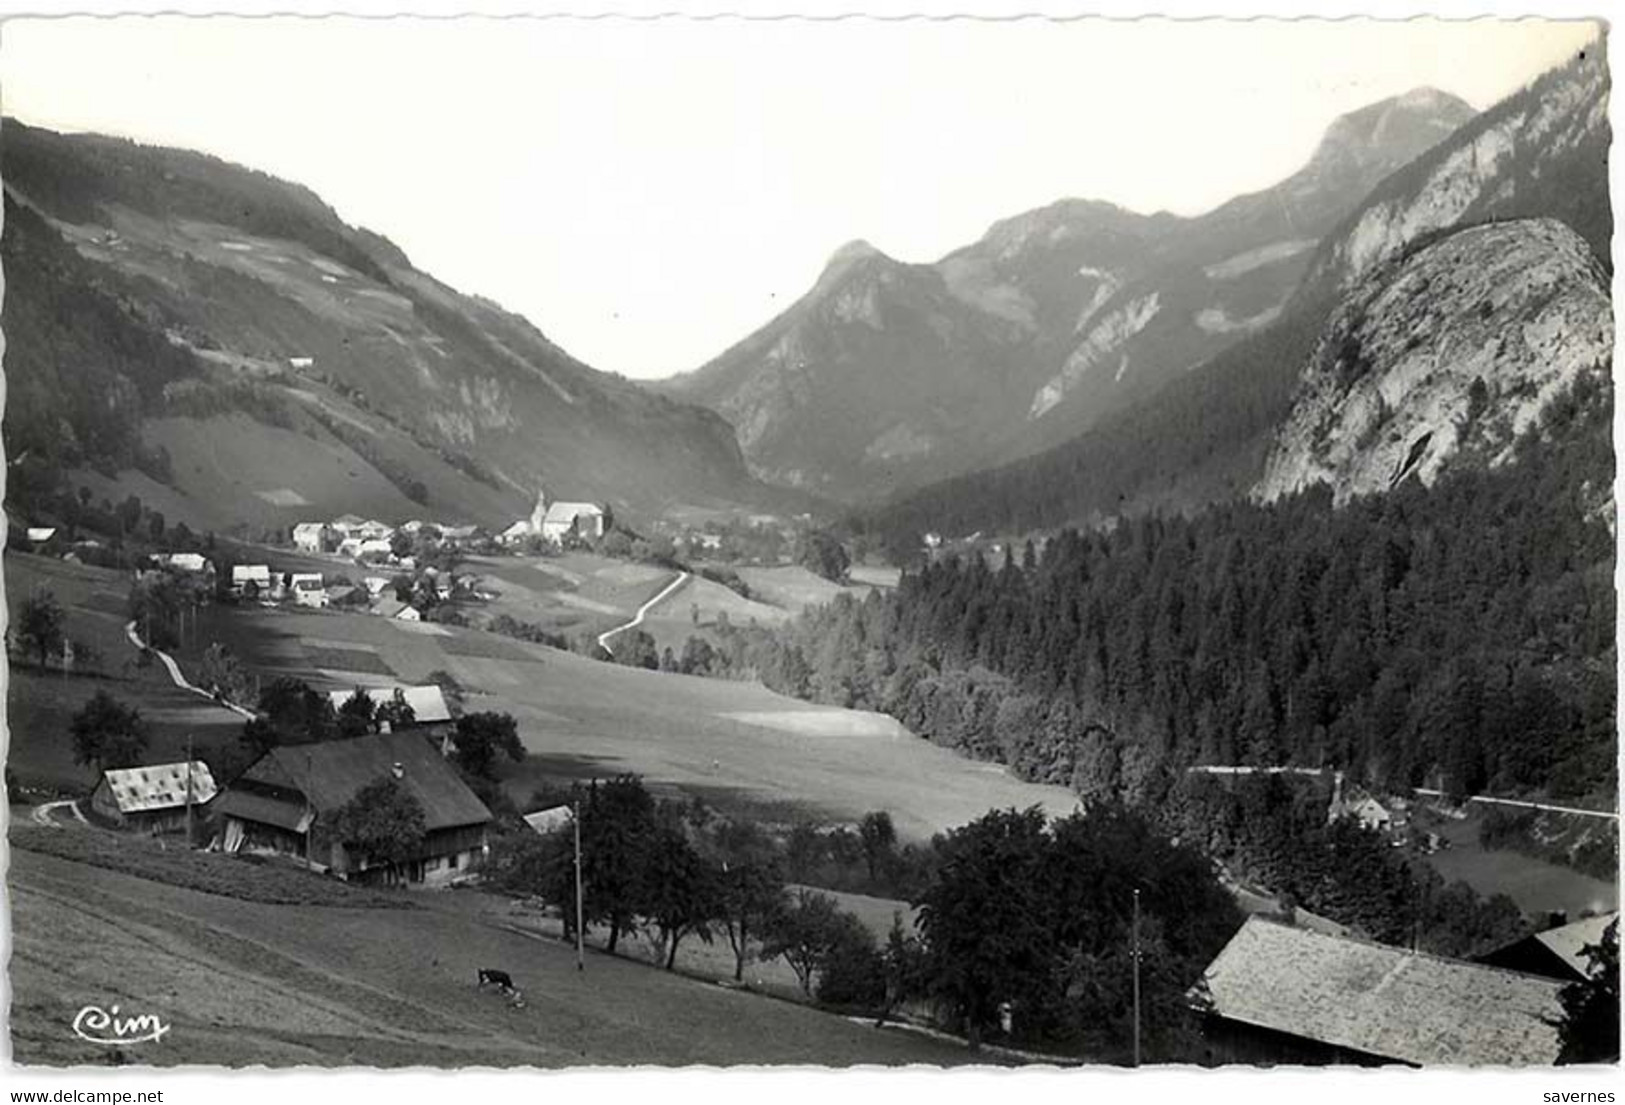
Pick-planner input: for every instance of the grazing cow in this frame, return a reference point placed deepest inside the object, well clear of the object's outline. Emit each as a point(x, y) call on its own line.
point(490, 976)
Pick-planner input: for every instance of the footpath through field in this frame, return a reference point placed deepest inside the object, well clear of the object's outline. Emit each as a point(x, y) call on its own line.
point(637, 620)
point(179, 679)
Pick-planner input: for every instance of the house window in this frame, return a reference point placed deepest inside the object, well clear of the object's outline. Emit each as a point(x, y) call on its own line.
point(451, 861)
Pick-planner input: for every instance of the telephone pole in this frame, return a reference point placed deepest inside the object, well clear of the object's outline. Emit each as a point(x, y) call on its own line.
point(1135, 955)
point(581, 956)
point(188, 790)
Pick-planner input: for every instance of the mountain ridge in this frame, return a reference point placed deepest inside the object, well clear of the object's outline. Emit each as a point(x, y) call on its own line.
point(1052, 320)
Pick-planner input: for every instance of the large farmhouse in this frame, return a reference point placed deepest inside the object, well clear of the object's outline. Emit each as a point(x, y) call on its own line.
point(289, 799)
point(153, 798)
point(1279, 994)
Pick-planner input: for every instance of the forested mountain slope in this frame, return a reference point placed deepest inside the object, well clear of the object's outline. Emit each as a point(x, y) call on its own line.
point(260, 360)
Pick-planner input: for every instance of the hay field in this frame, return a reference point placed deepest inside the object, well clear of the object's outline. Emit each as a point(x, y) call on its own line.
point(735, 744)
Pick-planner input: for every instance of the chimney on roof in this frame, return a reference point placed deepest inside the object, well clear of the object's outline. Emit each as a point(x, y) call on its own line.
point(398, 771)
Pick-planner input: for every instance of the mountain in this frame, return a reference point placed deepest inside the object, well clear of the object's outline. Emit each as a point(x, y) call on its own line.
point(1457, 348)
point(222, 344)
point(1205, 436)
point(885, 375)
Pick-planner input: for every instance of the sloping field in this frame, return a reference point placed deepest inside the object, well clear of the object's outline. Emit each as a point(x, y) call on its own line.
point(579, 592)
point(733, 743)
point(40, 704)
point(694, 609)
point(795, 588)
point(246, 983)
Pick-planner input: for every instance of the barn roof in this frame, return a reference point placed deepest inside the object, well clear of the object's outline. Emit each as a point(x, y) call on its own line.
point(1380, 1000)
point(545, 821)
point(1569, 942)
point(158, 786)
point(427, 702)
point(267, 810)
point(330, 773)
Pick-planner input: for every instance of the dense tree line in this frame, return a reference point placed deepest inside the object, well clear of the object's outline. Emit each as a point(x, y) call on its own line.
point(1274, 832)
point(1461, 635)
point(1017, 913)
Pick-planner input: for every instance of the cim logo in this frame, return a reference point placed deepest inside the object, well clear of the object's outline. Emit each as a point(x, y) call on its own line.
point(105, 1026)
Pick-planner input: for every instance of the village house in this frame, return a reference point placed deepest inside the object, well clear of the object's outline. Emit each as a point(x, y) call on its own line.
point(374, 548)
point(460, 535)
point(39, 535)
point(310, 536)
point(375, 585)
point(388, 606)
point(288, 800)
point(153, 798)
point(190, 562)
point(252, 579)
point(1557, 953)
point(1281, 994)
point(308, 589)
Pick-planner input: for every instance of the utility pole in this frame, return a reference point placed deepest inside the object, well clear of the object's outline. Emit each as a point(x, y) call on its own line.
point(188, 790)
point(581, 956)
point(1135, 955)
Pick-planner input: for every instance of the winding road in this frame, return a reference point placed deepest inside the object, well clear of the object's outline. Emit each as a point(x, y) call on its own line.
point(637, 620)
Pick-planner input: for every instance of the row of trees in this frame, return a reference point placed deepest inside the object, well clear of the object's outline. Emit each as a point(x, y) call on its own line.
point(1015, 913)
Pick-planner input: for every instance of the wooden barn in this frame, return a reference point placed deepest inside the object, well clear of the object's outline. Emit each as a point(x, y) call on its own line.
point(287, 800)
point(1279, 994)
point(153, 798)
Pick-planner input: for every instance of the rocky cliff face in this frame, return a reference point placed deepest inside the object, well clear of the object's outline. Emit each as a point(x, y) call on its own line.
point(1543, 151)
point(886, 375)
point(1448, 353)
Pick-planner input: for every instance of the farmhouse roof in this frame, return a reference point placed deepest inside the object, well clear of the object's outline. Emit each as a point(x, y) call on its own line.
point(330, 773)
point(428, 704)
point(459, 533)
point(256, 573)
point(545, 821)
point(187, 561)
point(41, 533)
point(1384, 1001)
point(159, 786)
point(1569, 942)
point(266, 809)
point(518, 529)
point(310, 527)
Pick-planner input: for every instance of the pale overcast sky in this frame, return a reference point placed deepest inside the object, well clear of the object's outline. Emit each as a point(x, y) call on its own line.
point(648, 193)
